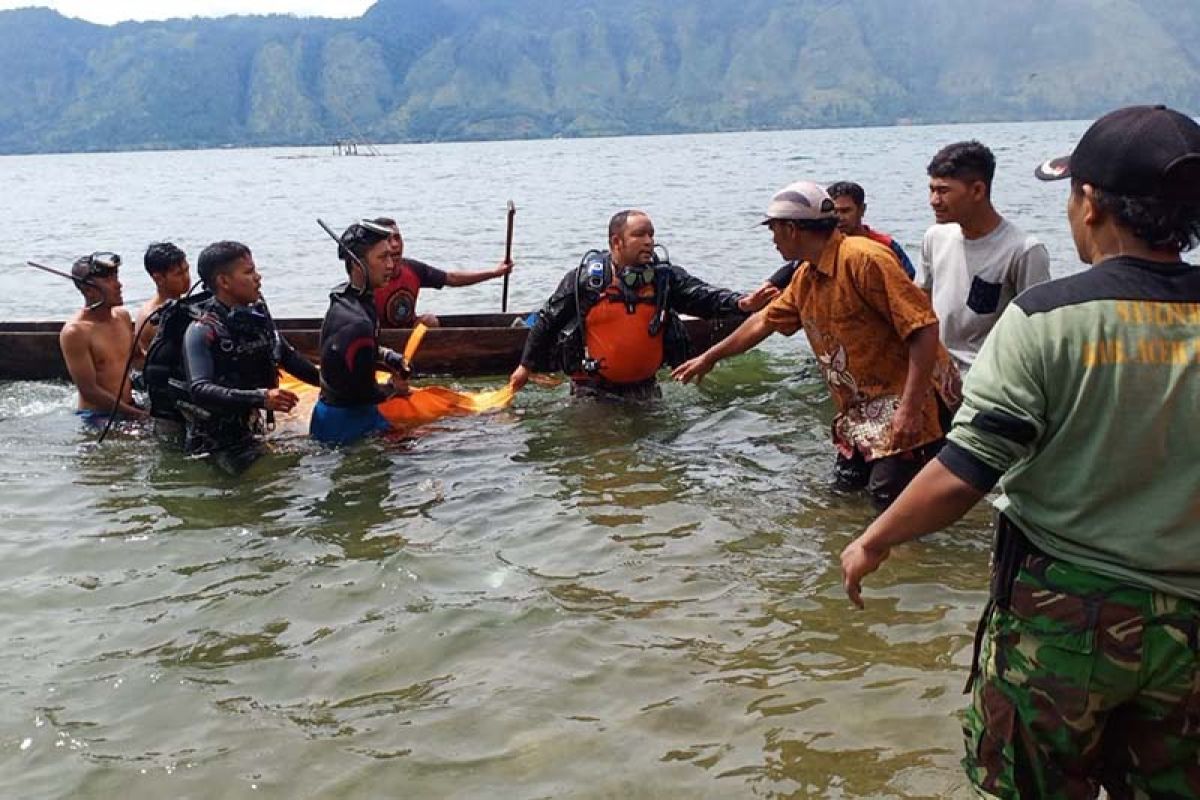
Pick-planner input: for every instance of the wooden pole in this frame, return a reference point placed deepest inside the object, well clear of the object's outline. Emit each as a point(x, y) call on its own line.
point(508, 237)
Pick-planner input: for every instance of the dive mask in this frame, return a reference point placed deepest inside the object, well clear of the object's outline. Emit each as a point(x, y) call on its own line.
point(100, 264)
point(637, 277)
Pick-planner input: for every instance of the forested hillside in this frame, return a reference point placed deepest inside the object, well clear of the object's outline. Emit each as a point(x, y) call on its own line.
point(474, 69)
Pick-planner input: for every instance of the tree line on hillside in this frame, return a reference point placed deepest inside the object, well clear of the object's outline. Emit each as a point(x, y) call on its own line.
point(473, 69)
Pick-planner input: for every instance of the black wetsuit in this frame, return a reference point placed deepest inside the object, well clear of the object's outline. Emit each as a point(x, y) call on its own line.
point(350, 354)
point(556, 339)
point(231, 358)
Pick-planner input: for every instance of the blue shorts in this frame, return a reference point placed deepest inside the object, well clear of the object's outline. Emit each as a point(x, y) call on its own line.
point(342, 425)
point(92, 418)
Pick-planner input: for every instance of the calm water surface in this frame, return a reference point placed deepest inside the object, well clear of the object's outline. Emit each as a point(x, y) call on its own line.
point(558, 600)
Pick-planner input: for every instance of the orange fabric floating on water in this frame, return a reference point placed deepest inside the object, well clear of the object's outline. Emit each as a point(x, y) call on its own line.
point(425, 404)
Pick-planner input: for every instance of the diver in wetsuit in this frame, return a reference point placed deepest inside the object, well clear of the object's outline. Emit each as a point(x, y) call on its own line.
point(613, 321)
point(231, 356)
point(350, 351)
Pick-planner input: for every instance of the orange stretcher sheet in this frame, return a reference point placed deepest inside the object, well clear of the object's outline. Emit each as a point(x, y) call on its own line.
point(425, 404)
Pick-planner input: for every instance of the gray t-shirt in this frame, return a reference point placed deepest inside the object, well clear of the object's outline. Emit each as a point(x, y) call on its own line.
point(973, 280)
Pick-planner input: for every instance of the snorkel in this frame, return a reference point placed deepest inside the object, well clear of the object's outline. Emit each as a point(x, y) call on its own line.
point(99, 263)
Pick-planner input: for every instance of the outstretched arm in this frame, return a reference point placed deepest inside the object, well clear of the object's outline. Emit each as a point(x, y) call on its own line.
point(747, 335)
point(935, 498)
point(470, 278)
point(558, 311)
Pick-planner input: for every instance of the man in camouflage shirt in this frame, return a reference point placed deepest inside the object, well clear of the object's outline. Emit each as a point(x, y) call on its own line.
point(1083, 406)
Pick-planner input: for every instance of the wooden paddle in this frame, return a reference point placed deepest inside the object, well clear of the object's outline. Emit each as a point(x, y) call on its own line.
point(512, 212)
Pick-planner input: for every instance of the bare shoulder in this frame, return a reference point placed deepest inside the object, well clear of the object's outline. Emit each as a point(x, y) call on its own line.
point(148, 308)
point(73, 330)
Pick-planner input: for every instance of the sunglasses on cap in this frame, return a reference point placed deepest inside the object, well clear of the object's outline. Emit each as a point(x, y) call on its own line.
point(375, 227)
point(635, 277)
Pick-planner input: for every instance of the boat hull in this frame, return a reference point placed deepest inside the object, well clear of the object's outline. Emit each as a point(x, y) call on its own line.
point(465, 345)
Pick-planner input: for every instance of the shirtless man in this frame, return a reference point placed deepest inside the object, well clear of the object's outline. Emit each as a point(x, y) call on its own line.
point(96, 341)
point(167, 266)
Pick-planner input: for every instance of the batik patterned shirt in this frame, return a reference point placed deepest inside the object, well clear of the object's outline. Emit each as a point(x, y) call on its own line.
point(859, 309)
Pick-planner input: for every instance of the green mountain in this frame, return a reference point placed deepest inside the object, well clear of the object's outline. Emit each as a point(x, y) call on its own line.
point(481, 69)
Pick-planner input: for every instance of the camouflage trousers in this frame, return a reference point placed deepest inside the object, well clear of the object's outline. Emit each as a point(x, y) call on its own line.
point(1086, 682)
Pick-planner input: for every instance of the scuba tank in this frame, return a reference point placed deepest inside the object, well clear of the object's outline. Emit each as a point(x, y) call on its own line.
point(166, 384)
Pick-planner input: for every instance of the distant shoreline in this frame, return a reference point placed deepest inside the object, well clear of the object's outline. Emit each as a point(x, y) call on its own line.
point(154, 148)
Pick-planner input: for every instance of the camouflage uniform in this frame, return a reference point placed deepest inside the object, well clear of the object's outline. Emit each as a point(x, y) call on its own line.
point(1082, 407)
point(1086, 681)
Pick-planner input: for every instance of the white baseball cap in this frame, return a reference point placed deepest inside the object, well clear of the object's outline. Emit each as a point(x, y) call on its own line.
point(802, 201)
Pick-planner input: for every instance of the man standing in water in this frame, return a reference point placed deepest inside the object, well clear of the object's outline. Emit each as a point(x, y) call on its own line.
point(396, 300)
point(231, 356)
point(875, 337)
point(973, 261)
point(350, 352)
point(1088, 675)
point(613, 321)
point(167, 266)
point(850, 205)
point(96, 341)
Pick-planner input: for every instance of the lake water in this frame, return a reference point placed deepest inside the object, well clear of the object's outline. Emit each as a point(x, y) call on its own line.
point(558, 600)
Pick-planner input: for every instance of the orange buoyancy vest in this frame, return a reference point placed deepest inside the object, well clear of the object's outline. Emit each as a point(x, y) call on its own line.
point(618, 338)
point(396, 301)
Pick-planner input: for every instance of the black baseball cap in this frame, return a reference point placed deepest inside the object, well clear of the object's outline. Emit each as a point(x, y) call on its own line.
point(1141, 151)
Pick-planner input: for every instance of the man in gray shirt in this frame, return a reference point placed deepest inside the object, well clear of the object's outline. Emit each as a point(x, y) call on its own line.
point(973, 261)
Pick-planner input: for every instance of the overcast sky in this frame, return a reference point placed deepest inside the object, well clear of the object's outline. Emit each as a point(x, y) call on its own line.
point(110, 11)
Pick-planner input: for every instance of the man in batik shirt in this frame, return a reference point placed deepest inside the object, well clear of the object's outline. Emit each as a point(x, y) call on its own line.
point(875, 337)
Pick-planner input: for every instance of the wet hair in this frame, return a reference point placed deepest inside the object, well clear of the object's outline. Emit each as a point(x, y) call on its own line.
point(358, 239)
point(386, 222)
point(218, 259)
point(1159, 222)
point(964, 161)
point(616, 225)
point(848, 189)
point(161, 256)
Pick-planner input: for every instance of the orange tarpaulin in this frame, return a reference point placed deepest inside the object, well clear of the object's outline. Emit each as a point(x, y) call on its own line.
point(425, 404)
point(422, 405)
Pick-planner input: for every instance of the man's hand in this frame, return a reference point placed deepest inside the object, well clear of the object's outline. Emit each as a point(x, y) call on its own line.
point(399, 383)
point(519, 377)
point(503, 268)
point(281, 400)
point(858, 561)
point(906, 427)
point(758, 298)
point(695, 369)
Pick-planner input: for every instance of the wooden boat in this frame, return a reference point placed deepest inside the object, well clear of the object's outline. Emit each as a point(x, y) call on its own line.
point(464, 345)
